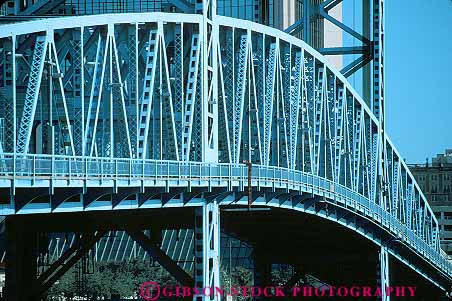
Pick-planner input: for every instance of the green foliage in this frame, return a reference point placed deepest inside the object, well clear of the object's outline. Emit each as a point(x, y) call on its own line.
point(64, 287)
point(125, 278)
point(242, 276)
point(238, 277)
point(111, 278)
point(282, 274)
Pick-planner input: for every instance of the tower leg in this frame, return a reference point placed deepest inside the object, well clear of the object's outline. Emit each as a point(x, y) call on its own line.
point(207, 251)
point(21, 259)
point(383, 272)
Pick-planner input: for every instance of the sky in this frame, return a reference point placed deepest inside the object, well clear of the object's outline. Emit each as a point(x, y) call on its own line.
point(418, 70)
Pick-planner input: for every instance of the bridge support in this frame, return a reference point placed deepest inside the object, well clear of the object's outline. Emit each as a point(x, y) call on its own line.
point(21, 255)
point(383, 272)
point(207, 250)
point(65, 262)
point(150, 245)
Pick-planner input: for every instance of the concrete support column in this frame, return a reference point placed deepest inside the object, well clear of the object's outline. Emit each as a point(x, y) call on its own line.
point(383, 272)
point(207, 249)
point(21, 260)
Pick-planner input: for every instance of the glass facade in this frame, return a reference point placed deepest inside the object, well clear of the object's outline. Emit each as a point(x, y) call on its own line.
point(242, 9)
point(269, 12)
point(275, 13)
point(317, 28)
point(91, 7)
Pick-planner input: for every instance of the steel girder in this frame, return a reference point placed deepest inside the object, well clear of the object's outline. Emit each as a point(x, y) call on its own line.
point(233, 91)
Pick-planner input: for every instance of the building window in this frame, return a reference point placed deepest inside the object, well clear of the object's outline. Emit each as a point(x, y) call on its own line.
point(447, 227)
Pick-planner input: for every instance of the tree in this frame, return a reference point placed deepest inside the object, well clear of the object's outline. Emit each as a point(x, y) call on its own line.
point(111, 278)
point(238, 277)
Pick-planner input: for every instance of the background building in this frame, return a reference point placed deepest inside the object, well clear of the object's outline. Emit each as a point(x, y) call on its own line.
point(275, 13)
point(435, 180)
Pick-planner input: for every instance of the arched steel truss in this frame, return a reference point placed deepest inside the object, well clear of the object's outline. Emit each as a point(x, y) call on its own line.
point(122, 101)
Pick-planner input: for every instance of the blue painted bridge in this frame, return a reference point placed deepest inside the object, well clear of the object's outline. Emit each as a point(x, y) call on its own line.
point(156, 111)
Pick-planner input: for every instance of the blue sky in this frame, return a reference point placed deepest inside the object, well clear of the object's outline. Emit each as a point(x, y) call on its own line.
point(418, 67)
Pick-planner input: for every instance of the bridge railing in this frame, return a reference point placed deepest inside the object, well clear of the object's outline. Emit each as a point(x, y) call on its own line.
point(56, 167)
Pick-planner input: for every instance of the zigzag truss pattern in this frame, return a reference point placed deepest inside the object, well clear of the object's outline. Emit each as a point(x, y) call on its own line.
point(116, 88)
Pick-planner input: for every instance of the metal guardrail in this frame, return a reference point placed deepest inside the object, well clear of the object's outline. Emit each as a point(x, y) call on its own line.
point(56, 167)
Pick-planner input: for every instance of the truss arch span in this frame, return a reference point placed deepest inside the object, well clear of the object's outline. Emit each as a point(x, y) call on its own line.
point(124, 96)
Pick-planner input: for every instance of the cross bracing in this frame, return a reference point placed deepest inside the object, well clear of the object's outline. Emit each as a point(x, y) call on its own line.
point(132, 90)
point(119, 246)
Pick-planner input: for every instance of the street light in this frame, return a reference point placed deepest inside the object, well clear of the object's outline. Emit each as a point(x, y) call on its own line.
point(250, 190)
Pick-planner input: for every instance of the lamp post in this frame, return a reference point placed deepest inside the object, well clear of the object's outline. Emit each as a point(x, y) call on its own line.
point(250, 190)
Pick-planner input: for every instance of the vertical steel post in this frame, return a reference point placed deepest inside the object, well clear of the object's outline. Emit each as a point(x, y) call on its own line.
point(82, 89)
point(207, 251)
point(13, 188)
point(110, 36)
point(377, 105)
point(50, 104)
point(383, 272)
point(209, 32)
point(366, 27)
point(136, 89)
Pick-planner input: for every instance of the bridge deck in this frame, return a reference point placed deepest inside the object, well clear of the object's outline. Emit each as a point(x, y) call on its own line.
point(54, 172)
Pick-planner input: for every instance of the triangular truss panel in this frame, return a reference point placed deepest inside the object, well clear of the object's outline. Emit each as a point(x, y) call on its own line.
point(176, 91)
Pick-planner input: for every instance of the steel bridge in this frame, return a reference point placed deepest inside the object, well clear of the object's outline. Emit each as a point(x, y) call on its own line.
point(197, 112)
